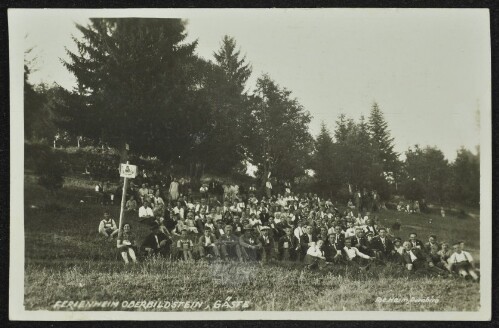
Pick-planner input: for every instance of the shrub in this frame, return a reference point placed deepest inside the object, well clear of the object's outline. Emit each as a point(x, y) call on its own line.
point(49, 168)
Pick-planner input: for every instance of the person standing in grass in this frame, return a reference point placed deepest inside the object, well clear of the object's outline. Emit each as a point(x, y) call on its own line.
point(107, 227)
point(174, 189)
point(462, 262)
point(185, 245)
point(126, 243)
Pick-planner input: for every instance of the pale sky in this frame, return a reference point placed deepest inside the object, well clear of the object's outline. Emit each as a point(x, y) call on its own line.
point(429, 70)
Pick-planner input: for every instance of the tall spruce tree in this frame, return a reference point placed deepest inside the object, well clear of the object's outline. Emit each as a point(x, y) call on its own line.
point(323, 163)
point(137, 80)
point(230, 120)
point(382, 140)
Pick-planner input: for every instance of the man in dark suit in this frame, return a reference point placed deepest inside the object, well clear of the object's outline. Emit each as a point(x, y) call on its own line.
point(413, 258)
point(360, 242)
point(416, 242)
point(288, 246)
point(267, 242)
point(382, 246)
point(337, 239)
point(371, 227)
point(306, 239)
point(156, 242)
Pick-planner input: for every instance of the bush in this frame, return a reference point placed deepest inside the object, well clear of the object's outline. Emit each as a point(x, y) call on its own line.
point(49, 167)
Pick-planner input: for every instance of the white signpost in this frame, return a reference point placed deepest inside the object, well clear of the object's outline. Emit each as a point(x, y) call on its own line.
point(127, 171)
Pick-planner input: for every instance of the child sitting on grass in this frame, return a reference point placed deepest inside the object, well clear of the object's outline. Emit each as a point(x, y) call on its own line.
point(107, 227)
point(185, 245)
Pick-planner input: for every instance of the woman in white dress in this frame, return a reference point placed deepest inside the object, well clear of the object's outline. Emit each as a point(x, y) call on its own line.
point(174, 189)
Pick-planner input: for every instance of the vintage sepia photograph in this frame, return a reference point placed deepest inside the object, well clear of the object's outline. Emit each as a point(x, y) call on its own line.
point(192, 164)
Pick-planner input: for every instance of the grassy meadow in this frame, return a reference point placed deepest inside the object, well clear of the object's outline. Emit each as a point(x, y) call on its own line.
point(65, 260)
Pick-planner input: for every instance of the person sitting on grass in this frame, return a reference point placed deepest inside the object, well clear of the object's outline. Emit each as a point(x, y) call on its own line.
point(382, 246)
point(416, 243)
point(131, 205)
point(432, 241)
point(267, 244)
point(126, 243)
point(371, 226)
point(445, 252)
point(146, 214)
point(107, 227)
point(399, 250)
point(288, 246)
point(351, 254)
point(229, 245)
point(251, 247)
point(361, 242)
point(185, 245)
point(315, 257)
point(413, 258)
point(435, 261)
point(190, 222)
point(207, 245)
point(156, 243)
point(462, 263)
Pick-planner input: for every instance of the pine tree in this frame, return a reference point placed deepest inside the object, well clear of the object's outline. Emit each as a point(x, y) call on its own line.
point(323, 162)
point(381, 139)
point(235, 68)
point(229, 121)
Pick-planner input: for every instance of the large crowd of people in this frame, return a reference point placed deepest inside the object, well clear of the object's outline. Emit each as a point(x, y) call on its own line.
point(221, 223)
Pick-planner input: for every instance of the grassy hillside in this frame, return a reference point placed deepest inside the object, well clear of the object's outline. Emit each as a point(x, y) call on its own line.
point(67, 261)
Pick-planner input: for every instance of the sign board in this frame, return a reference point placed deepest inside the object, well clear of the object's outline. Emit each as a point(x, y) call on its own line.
point(128, 171)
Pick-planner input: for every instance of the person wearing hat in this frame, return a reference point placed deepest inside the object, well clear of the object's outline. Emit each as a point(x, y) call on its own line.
point(251, 247)
point(207, 244)
point(268, 252)
point(229, 245)
point(107, 227)
point(156, 242)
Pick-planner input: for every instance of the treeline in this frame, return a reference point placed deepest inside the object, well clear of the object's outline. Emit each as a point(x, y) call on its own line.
point(141, 84)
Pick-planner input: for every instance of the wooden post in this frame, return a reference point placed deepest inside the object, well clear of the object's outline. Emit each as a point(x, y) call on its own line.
point(123, 199)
